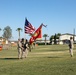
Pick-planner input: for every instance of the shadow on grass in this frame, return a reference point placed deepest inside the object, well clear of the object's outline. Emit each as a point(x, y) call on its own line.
point(9, 59)
point(57, 50)
point(54, 57)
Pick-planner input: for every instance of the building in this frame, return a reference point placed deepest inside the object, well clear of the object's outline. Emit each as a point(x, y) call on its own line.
point(64, 38)
point(3, 41)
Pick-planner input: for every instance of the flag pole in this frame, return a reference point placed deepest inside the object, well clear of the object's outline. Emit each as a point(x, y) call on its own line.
point(74, 34)
point(24, 31)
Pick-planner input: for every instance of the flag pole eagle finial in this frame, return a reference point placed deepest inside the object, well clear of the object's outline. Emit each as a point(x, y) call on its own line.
point(43, 25)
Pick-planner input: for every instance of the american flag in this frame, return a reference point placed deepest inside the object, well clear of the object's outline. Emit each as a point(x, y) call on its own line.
point(28, 28)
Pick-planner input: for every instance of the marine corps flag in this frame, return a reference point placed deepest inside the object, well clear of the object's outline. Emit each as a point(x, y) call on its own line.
point(37, 34)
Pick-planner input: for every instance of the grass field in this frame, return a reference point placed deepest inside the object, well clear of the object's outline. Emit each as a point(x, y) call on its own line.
point(43, 60)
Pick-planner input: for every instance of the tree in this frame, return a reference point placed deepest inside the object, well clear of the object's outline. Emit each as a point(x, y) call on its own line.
point(55, 37)
point(58, 35)
point(45, 35)
point(51, 38)
point(7, 32)
point(19, 29)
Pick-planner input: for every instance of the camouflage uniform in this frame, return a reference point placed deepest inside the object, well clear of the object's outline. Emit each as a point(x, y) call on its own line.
point(24, 48)
point(71, 46)
point(19, 49)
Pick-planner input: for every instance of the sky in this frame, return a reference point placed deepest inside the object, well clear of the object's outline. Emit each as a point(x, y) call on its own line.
point(58, 15)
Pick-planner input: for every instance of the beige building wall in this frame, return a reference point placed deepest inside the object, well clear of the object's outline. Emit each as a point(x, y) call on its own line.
point(65, 37)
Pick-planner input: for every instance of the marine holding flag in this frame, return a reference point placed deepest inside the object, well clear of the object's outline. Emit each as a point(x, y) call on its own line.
point(28, 29)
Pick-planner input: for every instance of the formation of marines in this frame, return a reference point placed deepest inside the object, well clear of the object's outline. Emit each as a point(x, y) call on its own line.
point(23, 47)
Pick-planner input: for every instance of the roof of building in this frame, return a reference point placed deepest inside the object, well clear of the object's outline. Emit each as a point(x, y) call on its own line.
point(68, 34)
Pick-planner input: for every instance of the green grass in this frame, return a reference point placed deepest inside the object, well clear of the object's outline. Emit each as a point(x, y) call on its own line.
point(43, 60)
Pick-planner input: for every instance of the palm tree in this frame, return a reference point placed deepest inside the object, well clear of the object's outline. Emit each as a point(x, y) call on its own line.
point(19, 29)
point(45, 35)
